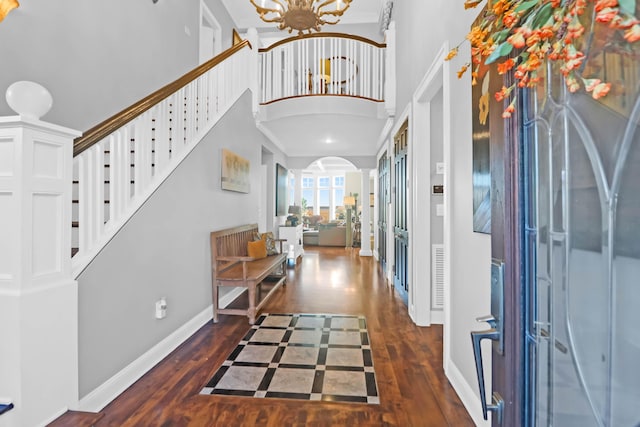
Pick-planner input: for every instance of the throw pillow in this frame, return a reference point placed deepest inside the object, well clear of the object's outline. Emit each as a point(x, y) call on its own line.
point(269, 242)
point(257, 249)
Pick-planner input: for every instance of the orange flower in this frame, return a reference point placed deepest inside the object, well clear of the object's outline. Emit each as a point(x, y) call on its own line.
point(590, 84)
point(6, 7)
point(510, 109)
point(504, 93)
point(632, 34)
point(452, 53)
point(510, 19)
point(463, 70)
point(471, 4)
point(506, 66)
point(601, 90)
point(517, 40)
point(601, 4)
point(606, 15)
point(572, 83)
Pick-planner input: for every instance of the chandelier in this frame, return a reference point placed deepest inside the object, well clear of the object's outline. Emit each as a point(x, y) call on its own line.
point(301, 15)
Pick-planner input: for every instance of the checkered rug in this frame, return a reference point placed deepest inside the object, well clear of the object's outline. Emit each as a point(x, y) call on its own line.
point(323, 357)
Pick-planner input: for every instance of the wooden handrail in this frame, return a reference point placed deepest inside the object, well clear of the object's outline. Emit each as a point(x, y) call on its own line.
point(321, 35)
point(100, 131)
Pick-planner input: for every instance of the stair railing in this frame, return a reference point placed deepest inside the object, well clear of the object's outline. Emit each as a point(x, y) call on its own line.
point(323, 64)
point(119, 163)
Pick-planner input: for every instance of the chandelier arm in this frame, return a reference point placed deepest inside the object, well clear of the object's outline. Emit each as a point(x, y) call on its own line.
point(323, 22)
point(264, 10)
point(347, 3)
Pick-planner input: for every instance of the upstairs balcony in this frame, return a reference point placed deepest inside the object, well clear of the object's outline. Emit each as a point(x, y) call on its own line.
point(325, 94)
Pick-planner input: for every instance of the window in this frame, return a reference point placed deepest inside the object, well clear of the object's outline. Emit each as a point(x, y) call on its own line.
point(324, 196)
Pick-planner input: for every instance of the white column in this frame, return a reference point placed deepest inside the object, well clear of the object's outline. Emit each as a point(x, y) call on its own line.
point(297, 191)
point(38, 295)
point(365, 227)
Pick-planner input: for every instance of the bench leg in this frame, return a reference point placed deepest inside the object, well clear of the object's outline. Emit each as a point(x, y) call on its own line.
point(251, 311)
point(215, 303)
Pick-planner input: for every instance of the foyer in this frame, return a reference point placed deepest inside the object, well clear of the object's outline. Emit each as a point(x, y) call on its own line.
point(407, 359)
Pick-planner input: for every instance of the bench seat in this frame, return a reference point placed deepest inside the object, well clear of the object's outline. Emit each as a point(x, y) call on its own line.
point(230, 266)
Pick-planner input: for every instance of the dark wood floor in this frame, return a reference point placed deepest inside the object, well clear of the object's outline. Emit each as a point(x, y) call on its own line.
point(408, 361)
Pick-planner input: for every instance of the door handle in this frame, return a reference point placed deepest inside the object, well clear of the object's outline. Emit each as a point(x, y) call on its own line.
point(497, 403)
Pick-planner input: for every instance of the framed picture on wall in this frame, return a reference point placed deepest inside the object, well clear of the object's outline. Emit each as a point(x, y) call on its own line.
point(236, 172)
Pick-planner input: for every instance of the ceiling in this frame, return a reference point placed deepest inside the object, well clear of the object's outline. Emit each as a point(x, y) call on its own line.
point(324, 126)
point(244, 14)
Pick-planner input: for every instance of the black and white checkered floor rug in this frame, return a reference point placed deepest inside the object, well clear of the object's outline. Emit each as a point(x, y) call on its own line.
point(323, 357)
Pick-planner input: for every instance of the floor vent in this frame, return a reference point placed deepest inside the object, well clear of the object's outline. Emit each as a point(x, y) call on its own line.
point(437, 277)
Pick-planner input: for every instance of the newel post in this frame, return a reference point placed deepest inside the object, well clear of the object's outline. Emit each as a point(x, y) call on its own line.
point(38, 295)
point(254, 69)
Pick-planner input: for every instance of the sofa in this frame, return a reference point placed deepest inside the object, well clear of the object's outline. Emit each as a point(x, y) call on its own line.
point(333, 233)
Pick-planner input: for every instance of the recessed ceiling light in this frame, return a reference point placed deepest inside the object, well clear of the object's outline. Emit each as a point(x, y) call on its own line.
point(329, 141)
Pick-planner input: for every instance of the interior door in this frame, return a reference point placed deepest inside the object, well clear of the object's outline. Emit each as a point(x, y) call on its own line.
point(582, 222)
point(400, 227)
point(383, 208)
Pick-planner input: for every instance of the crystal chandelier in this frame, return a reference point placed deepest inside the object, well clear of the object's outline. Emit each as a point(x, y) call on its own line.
point(301, 15)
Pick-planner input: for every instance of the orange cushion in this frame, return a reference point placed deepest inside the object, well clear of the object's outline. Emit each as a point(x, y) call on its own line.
point(257, 249)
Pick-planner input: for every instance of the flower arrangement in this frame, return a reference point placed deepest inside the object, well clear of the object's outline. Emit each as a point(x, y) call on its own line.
point(537, 30)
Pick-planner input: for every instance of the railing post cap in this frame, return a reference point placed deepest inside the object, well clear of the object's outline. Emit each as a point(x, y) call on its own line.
point(29, 99)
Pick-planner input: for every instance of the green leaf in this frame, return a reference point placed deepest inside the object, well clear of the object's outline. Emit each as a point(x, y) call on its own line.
point(502, 50)
point(526, 5)
point(501, 35)
point(542, 16)
point(628, 6)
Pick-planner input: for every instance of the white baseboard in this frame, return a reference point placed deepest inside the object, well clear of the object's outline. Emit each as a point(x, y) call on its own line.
point(110, 389)
point(437, 317)
point(468, 397)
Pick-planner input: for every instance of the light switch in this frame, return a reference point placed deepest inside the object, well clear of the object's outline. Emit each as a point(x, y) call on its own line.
point(439, 209)
point(440, 168)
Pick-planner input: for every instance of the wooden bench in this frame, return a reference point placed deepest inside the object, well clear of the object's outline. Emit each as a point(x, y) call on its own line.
point(230, 266)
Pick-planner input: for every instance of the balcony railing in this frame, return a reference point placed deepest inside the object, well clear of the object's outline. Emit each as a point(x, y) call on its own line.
point(322, 64)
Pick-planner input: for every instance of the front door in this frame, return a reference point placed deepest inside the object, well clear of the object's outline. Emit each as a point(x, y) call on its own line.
point(566, 259)
point(582, 241)
point(400, 227)
point(383, 208)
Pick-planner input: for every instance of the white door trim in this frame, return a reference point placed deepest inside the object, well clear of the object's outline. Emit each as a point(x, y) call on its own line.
point(207, 16)
point(436, 78)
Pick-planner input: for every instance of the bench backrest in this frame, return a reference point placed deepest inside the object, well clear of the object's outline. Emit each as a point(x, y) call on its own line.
point(232, 241)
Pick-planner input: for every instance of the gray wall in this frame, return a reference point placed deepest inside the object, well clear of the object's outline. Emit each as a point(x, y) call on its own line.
point(98, 57)
point(164, 251)
point(422, 28)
